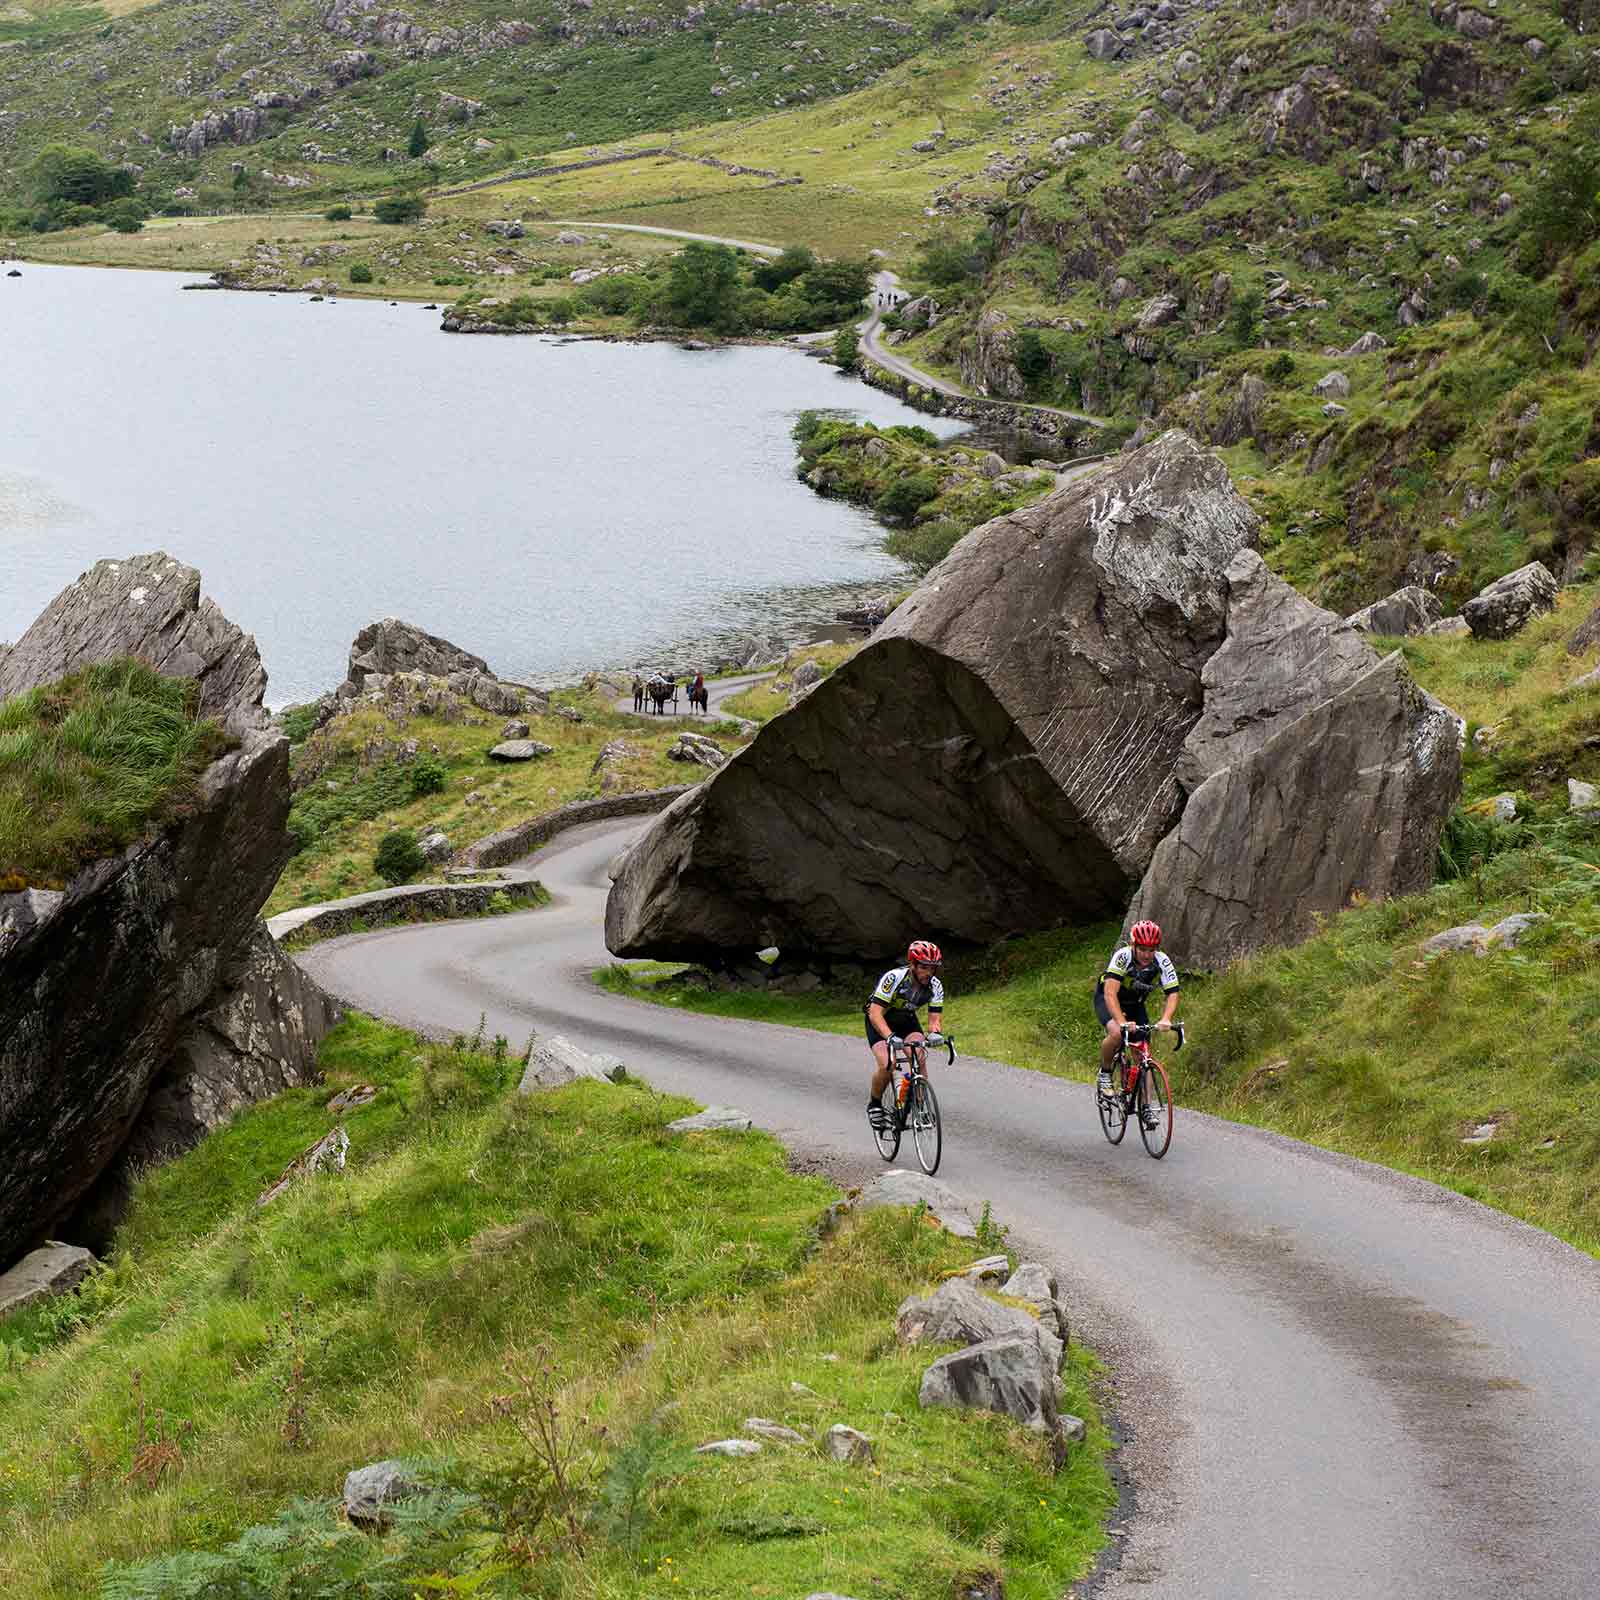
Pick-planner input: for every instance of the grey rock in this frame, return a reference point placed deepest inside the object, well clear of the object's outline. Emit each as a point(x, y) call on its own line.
point(557, 1061)
point(1586, 635)
point(515, 730)
point(53, 1269)
point(1073, 1429)
point(1449, 628)
point(806, 674)
point(697, 749)
point(1281, 657)
point(1505, 808)
point(25, 912)
point(730, 1447)
point(505, 229)
point(844, 1444)
point(712, 1119)
point(488, 693)
point(368, 1491)
point(1582, 796)
point(765, 1428)
point(1508, 931)
point(1003, 1375)
point(1366, 344)
point(1159, 311)
point(1508, 604)
point(900, 1188)
point(1468, 936)
point(435, 847)
point(392, 646)
point(1349, 798)
point(922, 312)
point(988, 688)
point(1590, 680)
point(1103, 45)
point(1506, 934)
point(1242, 420)
point(520, 750)
point(149, 606)
point(991, 1269)
point(1333, 386)
point(1408, 610)
point(1034, 1284)
point(958, 1312)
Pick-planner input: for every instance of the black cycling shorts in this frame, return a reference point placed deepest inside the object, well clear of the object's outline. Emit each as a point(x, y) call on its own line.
point(1133, 1010)
point(900, 1022)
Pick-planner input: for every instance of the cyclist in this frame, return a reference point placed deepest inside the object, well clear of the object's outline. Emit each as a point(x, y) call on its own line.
point(1131, 974)
point(892, 1014)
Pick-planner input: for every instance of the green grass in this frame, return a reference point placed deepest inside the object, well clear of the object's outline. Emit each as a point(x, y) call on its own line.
point(479, 1251)
point(763, 701)
point(89, 764)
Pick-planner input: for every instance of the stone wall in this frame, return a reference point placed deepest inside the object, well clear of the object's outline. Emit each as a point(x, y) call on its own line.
point(511, 843)
point(1008, 414)
point(423, 902)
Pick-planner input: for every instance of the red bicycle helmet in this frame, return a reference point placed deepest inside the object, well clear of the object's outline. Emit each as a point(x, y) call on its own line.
point(1146, 933)
point(925, 950)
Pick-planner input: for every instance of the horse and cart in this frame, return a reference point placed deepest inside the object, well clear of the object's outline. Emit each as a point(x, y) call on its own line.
point(662, 692)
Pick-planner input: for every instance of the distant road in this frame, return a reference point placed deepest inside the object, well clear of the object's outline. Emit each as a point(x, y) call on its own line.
point(668, 233)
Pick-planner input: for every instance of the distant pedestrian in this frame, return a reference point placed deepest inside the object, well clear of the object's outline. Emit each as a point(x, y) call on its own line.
point(697, 692)
point(638, 693)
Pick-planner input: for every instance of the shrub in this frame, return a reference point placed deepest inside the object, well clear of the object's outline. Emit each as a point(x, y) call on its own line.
point(400, 208)
point(1279, 368)
point(125, 216)
point(426, 776)
point(68, 173)
point(846, 347)
point(360, 272)
point(417, 144)
point(399, 857)
point(337, 214)
point(907, 494)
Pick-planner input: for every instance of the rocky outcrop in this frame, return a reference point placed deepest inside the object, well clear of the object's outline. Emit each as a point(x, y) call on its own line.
point(147, 970)
point(1408, 610)
point(1510, 603)
point(147, 606)
point(53, 1269)
point(1586, 635)
point(392, 646)
point(1004, 698)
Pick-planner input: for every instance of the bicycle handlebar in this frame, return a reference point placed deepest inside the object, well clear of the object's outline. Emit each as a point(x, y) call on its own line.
point(948, 1040)
point(1139, 1033)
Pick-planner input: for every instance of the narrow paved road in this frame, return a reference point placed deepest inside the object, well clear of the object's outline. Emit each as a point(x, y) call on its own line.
point(1337, 1383)
point(668, 233)
point(718, 690)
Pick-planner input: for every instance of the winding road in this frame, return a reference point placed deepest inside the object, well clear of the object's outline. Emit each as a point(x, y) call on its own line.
point(1333, 1382)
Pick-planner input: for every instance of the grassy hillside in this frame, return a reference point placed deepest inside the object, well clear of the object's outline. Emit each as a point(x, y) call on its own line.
point(503, 1290)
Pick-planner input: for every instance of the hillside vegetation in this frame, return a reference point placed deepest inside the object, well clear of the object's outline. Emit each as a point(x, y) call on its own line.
point(541, 1303)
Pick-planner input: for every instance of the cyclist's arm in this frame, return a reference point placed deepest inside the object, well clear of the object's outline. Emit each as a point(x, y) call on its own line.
point(935, 1021)
point(1169, 982)
point(1112, 991)
point(879, 1022)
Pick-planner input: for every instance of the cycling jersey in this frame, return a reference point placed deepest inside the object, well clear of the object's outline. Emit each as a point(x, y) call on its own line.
point(1137, 981)
point(899, 990)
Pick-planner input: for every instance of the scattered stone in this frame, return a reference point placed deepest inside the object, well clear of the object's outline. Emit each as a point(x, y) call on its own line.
point(730, 1447)
point(992, 1269)
point(712, 1119)
point(775, 1431)
point(1582, 796)
point(557, 1061)
point(1366, 344)
point(1036, 1286)
point(1505, 934)
point(901, 1188)
point(569, 714)
point(368, 1490)
point(1586, 634)
point(1333, 386)
point(53, 1269)
point(520, 750)
point(1449, 628)
point(515, 730)
point(958, 1312)
point(1004, 1375)
point(848, 1446)
point(327, 1153)
point(435, 847)
point(1408, 610)
point(392, 646)
point(1103, 45)
point(699, 750)
point(1483, 1133)
point(353, 1098)
point(1503, 607)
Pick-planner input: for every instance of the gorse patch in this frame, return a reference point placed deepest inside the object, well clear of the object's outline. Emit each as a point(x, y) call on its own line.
point(88, 764)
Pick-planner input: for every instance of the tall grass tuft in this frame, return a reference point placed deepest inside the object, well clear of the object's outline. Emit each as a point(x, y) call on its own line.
point(88, 764)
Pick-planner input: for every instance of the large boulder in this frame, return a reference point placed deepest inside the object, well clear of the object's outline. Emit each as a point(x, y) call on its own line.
point(392, 646)
point(149, 606)
point(1510, 603)
point(148, 967)
point(1586, 635)
point(1409, 610)
point(968, 772)
point(1348, 799)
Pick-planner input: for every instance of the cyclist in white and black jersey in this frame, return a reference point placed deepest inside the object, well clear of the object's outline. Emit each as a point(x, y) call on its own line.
point(892, 1014)
point(1132, 974)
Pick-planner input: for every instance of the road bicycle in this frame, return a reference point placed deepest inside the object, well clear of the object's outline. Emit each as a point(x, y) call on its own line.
point(909, 1102)
point(1139, 1089)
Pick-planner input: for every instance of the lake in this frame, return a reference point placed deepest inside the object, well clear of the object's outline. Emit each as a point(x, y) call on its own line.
point(553, 505)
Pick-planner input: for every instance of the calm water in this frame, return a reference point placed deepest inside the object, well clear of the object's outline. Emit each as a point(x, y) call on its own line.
point(552, 506)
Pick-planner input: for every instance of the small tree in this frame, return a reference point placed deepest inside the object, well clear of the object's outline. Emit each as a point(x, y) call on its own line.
point(426, 775)
point(125, 215)
point(399, 857)
point(400, 208)
point(76, 176)
point(337, 214)
point(417, 144)
point(360, 272)
point(846, 348)
point(1246, 321)
point(1031, 358)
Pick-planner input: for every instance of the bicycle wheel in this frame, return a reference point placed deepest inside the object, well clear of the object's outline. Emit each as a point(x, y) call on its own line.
point(1155, 1097)
point(926, 1131)
point(1112, 1107)
point(887, 1138)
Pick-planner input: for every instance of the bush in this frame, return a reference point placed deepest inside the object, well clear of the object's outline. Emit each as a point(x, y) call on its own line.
point(125, 216)
point(337, 214)
point(846, 347)
point(907, 495)
point(400, 208)
point(1280, 368)
point(426, 776)
point(68, 173)
point(399, 857)
point(360, 272)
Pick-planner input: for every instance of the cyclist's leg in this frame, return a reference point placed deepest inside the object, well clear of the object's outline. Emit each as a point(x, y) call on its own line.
point(878, 1049)
point(918, 1037)
point(1111, 1031)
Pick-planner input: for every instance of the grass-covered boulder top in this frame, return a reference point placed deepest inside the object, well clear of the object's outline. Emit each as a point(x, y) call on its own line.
point(142, 826)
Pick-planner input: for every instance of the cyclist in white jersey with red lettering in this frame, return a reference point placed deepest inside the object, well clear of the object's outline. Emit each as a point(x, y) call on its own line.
point(1131, 974)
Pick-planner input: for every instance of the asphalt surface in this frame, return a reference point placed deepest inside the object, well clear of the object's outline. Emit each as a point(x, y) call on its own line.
point(1333, 1382)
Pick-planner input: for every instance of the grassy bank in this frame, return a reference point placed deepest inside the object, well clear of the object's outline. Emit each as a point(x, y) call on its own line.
point(488, 1272)
point(763, 701)
point(89, 764)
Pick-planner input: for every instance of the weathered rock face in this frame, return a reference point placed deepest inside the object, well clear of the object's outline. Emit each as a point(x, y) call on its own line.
point(1348, 798)
point(1408, 610)
point(392, 646)
point(150, 970)
point(1586, 635)
point(1509, 603)
point(147, 606)
point(968, 772)
point(95, 998)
